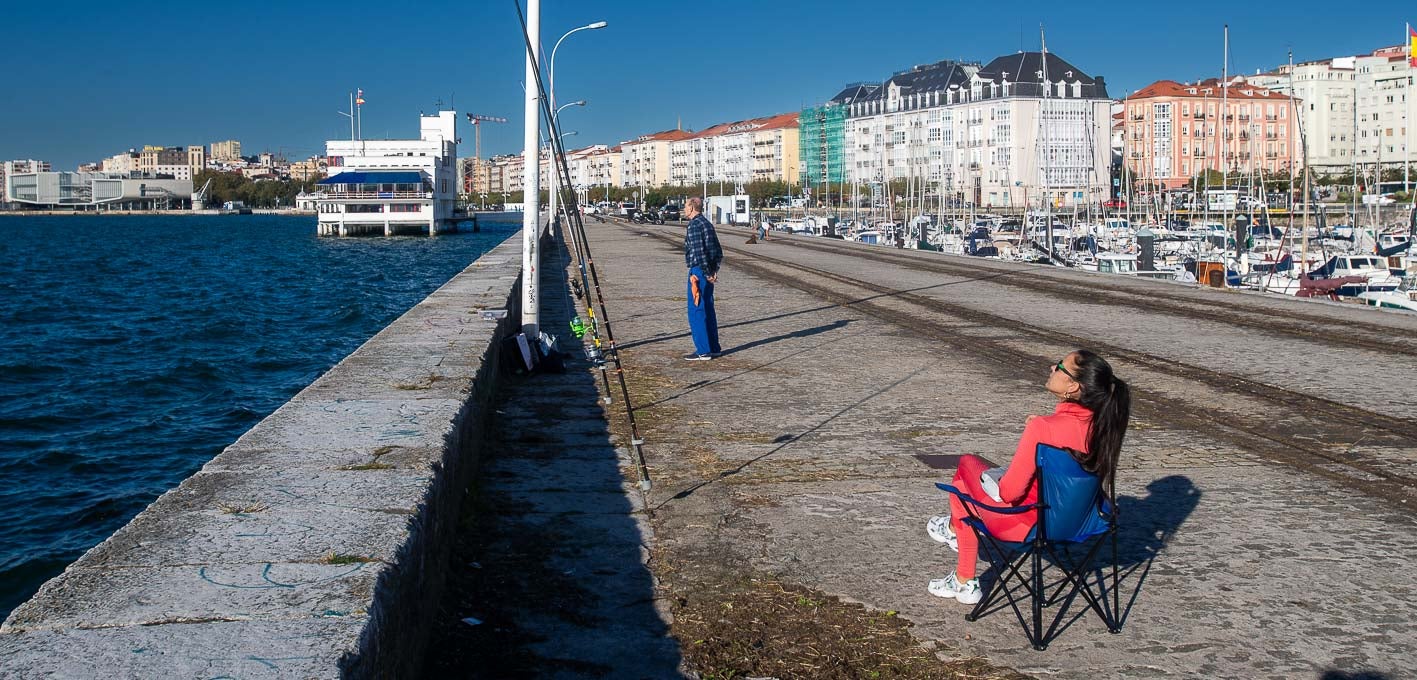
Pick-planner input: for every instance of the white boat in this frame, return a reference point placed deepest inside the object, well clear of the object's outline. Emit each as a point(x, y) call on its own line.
point(1397, 299)
point(869, 237)
point(1371, 267)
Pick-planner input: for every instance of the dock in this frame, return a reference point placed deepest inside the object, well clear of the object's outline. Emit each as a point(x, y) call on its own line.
point(1266, 492)
point(495, 525)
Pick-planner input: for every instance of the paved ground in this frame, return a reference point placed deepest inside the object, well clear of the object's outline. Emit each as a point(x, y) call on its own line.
point(1265, 485)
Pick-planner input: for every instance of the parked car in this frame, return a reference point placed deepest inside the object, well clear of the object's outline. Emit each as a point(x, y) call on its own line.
point(670, 211)
point(1114, 204)
point(628, 208)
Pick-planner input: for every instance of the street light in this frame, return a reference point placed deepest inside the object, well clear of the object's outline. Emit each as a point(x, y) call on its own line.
point(553, 175)
point(551, 91)
point(551, 72)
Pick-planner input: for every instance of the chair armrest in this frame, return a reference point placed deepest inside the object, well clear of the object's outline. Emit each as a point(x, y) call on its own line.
point(1001, 509)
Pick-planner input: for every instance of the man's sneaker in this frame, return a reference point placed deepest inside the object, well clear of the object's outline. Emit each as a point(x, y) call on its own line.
point(967, 592)
point(697, 357)
point(939, 529)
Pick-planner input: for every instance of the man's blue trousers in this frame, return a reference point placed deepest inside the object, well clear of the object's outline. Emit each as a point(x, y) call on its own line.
point(703, 322)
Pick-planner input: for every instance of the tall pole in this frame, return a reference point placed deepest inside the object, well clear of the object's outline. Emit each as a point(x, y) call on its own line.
point(1407, 120)
point(531, 184)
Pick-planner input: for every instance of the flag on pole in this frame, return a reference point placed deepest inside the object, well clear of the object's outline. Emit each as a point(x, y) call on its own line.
point(359, 98)
point(1411, 46)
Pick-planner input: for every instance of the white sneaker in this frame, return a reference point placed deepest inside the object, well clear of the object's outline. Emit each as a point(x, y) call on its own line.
point(939, 529)
point(967, 592)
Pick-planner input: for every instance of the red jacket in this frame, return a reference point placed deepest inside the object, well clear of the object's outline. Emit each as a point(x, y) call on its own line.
point(1066, 428)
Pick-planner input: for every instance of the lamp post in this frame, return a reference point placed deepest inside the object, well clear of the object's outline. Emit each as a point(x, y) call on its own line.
point(531, 160)
point(551, 169)
point(551, 92)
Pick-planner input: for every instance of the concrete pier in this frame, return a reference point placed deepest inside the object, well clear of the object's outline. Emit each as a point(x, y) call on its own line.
point(1268, 479)
point(313, 547)
point(1266, 488)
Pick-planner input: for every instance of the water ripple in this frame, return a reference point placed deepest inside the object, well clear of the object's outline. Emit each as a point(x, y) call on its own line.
point(133, 349)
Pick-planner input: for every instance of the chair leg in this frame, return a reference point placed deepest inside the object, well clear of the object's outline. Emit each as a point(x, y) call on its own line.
point(1114, 625)
point(1038, 597)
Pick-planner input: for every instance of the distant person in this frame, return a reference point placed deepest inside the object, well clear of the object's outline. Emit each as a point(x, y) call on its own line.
point(1091, 418)
point(763, 228)
point(703, 255)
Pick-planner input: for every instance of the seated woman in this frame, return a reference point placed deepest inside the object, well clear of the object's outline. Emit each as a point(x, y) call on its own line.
point(1091, 418)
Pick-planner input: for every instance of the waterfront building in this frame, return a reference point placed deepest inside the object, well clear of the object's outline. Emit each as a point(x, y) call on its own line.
point(309, 168)
point(822, 136)
point(504, 174)
point(1354, 108)
point(151, 157)
point(229, 150)
point(604, 167)
point(391, 185)
point(197, 158)
point(644, 160)
point(1175, 131)
point(10, 167)
point(1325, 89)
point(1020, 131)
point(739, 152)
point(121, 163)
point(579, 162)
point(80, 191)
point(1384, 82)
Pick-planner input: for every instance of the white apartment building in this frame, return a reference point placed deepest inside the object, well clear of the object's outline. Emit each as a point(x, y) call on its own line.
point(391, 185)
point(229, 150)
point(1016, 132)
point(738, 152)
point(1384, 86)
point(1325, 89)
point(1354, 107)
point(644, 161)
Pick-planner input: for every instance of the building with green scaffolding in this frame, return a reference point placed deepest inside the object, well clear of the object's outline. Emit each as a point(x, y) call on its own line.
point(822, 140)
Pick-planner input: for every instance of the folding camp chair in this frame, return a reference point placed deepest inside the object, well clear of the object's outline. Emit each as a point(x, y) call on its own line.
point(1074, 512)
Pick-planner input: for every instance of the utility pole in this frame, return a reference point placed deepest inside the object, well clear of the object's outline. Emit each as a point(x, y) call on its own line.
point(531, 183)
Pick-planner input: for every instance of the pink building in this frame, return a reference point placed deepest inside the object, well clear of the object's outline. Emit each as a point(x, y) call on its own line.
point(1174, 131)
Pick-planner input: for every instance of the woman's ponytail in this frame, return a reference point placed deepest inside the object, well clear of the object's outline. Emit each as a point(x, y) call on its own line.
point(1110, 400)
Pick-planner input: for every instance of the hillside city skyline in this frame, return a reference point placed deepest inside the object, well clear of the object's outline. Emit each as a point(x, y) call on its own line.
point(629, 96)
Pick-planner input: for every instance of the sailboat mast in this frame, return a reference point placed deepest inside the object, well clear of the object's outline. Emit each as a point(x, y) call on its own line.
point(1224, 147)
point(1043, 163)
point(1298, 115)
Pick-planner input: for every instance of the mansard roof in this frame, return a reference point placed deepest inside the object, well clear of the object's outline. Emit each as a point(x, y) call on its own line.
point(854, 92)
point(1027, 67)
point(940, 75)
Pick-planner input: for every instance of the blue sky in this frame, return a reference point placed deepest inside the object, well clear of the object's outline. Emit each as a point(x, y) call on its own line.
point(85, 80)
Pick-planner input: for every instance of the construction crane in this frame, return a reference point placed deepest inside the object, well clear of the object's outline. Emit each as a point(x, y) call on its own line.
point(476, 120)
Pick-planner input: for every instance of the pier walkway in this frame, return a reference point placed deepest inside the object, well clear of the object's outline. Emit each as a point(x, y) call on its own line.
point(1267, 483)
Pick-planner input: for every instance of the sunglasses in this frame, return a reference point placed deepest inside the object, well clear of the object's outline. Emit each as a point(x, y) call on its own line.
point(1060, 367)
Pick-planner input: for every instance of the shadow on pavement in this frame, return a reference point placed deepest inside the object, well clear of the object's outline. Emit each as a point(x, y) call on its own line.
point(1146, 525)
point(548, 576)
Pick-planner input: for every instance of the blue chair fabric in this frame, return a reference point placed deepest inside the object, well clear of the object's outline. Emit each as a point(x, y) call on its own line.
point(1074, 512)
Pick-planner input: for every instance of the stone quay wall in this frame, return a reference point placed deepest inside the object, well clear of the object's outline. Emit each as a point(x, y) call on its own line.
point(312, 547)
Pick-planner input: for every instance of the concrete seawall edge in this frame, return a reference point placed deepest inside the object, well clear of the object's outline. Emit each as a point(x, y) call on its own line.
point(314, 545)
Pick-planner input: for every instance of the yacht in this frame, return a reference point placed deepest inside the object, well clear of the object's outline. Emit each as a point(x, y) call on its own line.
point(1373, 269)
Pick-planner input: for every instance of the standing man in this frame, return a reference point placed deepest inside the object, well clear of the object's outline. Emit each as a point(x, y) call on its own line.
point(703, 255)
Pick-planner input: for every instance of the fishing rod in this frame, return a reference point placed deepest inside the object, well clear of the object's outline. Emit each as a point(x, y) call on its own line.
point(586, 261)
